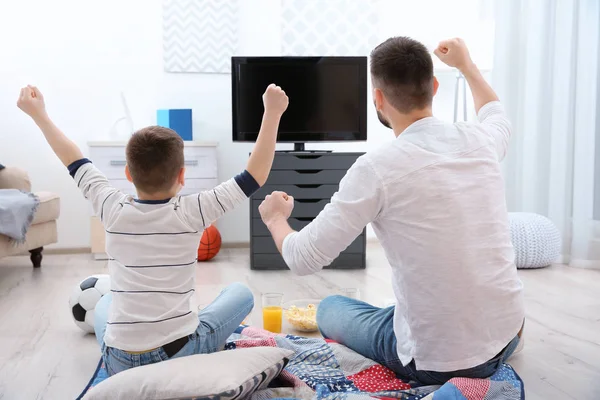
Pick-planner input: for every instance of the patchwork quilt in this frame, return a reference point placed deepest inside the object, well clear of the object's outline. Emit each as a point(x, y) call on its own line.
point(325, 370)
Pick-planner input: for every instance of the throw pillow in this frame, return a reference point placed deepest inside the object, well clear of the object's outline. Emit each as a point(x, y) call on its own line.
point(232, 374)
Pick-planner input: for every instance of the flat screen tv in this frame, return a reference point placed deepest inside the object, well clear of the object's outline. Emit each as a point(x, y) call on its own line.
point(328, 97)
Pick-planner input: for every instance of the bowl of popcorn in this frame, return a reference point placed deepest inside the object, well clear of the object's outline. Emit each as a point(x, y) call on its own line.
point(302, 314)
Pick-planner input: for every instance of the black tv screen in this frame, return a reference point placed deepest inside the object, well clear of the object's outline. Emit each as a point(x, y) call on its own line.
point(328, 97)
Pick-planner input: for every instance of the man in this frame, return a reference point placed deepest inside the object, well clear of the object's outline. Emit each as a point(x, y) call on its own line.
point(435, 198)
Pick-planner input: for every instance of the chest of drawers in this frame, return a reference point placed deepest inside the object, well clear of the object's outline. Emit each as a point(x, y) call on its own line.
point(311, 178)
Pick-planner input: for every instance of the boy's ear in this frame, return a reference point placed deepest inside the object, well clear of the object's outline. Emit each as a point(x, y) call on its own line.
point(436, 85)
point(128, 174)
point(181, 177)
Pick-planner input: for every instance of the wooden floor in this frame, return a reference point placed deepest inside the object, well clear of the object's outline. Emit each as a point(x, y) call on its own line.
point(43, 355)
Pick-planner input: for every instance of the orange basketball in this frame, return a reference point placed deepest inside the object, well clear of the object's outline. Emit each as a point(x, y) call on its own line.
point(210, 244)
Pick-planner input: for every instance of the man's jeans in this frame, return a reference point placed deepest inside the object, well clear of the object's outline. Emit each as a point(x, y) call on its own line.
point(217, 322)
point(369, 331)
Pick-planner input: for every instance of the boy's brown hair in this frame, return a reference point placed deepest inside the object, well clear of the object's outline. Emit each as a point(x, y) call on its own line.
point(403, 69)
point(154, 157)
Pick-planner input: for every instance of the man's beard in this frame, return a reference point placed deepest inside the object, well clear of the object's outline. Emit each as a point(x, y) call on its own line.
point(383, 121)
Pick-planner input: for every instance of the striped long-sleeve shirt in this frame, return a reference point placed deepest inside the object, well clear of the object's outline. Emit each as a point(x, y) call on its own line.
point(152, 248)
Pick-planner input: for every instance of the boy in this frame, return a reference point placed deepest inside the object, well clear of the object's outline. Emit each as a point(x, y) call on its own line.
point(152, 240)
point(435, 197)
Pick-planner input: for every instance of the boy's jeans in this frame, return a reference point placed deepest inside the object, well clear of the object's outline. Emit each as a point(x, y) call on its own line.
point(369, 331)
point(217, 322)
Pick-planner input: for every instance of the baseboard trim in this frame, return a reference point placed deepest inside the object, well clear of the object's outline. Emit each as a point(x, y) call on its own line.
point(563, 259)
point(585, 264)
point(246, 245)
point(88, 250)
point(67, 250)
point(235, 245)
point(224, 245)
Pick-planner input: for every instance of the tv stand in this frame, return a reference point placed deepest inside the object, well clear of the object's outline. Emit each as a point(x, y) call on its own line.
point(299, 148)
point(312, 178)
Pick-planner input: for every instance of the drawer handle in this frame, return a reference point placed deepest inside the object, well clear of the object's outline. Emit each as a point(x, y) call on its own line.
point(308, 200)
point(308, 186)
point(191, 162)
point(309, 171)
point(309, 157)
point(304, 219)
point(116, 163)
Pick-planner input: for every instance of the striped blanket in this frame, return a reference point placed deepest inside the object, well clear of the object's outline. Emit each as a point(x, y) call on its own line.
point(325, 370)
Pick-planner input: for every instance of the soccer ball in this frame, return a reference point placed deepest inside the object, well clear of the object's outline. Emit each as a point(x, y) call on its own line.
point(84, 299)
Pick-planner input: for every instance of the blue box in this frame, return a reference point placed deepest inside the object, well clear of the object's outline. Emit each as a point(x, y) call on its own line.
point(178, 120)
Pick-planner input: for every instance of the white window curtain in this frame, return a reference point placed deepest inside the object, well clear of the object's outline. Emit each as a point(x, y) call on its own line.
point(546, 71)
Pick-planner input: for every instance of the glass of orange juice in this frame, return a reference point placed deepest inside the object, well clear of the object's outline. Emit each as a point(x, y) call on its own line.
point(272, 311)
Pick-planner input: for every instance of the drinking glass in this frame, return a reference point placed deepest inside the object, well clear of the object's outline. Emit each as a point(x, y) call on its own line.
point(272, 311)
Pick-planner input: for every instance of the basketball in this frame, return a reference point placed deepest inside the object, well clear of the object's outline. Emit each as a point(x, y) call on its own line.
point(210, 244)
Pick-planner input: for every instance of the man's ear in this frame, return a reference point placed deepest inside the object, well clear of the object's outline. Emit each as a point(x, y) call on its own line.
point(436, 85)
point(128, 173)
point(378, 98)
point(181, 177)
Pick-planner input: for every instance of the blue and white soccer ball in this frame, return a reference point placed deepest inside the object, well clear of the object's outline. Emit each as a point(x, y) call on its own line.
point(84, 299)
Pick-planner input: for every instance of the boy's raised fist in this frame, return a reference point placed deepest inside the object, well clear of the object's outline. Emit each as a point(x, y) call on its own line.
point(31, 102)
point(275, 100)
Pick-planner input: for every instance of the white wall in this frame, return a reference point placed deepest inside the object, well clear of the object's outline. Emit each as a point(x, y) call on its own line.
point(83, 54)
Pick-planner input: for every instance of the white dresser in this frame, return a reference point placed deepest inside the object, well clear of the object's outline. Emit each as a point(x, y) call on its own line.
point(109, 157)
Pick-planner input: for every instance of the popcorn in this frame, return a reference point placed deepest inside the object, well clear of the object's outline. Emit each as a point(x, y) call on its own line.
point(303, 319)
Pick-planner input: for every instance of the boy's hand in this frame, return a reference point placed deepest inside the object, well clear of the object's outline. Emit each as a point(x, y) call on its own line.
point(454, 53)
point(275, 207)
point(31, 101)
point(275, 100)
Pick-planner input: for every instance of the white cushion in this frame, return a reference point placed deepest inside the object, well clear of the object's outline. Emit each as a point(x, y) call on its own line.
point(226, 374)
point(536, 240)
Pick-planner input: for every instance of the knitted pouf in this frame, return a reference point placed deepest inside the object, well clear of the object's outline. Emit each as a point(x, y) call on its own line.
point(536, 240)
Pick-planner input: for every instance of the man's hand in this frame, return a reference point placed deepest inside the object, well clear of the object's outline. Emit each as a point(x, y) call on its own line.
point(454, 53)
point(275, 211)
point(276, 207)
point(31, 101)
point(275, 100)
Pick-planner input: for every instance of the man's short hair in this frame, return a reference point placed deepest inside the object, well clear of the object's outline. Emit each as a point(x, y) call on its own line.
point(154, 157)
point(403, 69)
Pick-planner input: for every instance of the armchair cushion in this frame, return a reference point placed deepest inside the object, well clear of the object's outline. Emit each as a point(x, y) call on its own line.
point(49, 208)
point(14, 178)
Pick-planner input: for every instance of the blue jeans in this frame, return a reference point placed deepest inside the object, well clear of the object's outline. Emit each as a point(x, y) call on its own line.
point(217, 322)
point(369, 331)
